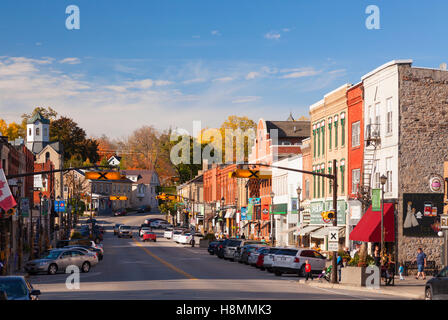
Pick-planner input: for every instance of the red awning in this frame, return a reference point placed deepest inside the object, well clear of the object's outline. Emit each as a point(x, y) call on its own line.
point(368, 228)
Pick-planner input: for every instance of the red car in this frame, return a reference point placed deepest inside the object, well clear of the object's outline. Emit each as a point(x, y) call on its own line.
point(120, 213)
point(148, 236)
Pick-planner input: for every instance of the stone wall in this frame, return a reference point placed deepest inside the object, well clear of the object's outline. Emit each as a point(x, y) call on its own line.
point(423, 146)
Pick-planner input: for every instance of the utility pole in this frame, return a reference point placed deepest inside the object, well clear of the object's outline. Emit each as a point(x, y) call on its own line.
point(334, 270)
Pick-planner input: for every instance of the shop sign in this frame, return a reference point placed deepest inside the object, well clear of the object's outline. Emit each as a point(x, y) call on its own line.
point(243, 213)
point(421, 214)
point(255, 201)
point(436, 183)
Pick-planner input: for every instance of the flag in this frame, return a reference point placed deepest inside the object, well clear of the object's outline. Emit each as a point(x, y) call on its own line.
point(7, 201)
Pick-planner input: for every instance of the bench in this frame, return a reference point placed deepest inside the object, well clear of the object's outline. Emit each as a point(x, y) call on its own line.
point(410, 268)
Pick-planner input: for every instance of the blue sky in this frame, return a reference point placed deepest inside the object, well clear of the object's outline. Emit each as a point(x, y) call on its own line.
point(167, 63)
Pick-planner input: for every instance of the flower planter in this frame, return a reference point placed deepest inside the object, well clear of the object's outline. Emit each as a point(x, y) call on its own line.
point(354, 276)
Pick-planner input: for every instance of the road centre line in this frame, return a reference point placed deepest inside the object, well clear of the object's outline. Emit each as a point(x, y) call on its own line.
point(165, 263)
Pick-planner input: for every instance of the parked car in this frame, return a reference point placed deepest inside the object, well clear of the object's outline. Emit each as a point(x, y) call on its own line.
point(143, 230)
point(168, 234)
point(244, 252)
point(97, 251)
point(253, 257)
point(141, 210)
point(232, 246)
point(17, 288)
point(125, 231)
point(116, 226)
point(64, 243)
point(158, 224)
point(293, 261)
point(436, 288)
point(268, 258)
point(88, 251)
point(165, 225)
point(149, 236)
point(260, 260)
point(212, 246)
point(59, 259)
point(120, 213)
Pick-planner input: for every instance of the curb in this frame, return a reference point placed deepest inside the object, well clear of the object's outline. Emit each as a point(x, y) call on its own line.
point(354, 288)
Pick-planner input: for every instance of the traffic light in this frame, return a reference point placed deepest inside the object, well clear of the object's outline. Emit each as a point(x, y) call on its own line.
point(330, 215)
point(324, 215)
point(103, 175)
point(250, 174)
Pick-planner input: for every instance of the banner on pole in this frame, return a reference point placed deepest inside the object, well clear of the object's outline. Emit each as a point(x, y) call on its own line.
point(376, 199)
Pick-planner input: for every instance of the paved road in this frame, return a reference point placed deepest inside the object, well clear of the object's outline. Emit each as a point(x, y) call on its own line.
point(165, 270)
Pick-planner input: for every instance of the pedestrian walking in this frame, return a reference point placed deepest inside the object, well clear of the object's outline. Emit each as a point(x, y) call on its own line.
point(308, 273)
point(340, 265)
point(377, 256)
point(401, 271)
point(421, 264)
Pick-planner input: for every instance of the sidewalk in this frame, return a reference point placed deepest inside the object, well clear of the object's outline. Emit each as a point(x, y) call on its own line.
point(409, 288)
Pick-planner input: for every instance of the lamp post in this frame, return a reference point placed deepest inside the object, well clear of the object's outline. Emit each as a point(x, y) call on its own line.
point(31, 207)
point(46, 221)
point(299, 192)
point(383, 180)
point(272, 218)
point(221, 209)
point(20, 233)
point(39, 230)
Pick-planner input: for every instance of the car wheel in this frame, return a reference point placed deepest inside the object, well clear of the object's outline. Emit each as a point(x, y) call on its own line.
point(155, 240)
point(278, 273)
point(52, 269)
point(85, 267)
point(269, 270)
point(428, 293)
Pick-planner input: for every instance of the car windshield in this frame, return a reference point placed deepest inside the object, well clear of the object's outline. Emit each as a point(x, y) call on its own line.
point(52, 255)
point(13, 287)
point(125, 227)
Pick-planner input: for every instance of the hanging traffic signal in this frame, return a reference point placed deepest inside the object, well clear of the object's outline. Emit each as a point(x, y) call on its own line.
point(103, 175)
point(330, 215)
point(250, 174)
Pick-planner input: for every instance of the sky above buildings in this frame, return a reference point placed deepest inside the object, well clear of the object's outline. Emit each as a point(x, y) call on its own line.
point(169, 62)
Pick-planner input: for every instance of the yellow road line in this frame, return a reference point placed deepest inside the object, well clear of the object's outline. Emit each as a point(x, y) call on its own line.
point(165, 263)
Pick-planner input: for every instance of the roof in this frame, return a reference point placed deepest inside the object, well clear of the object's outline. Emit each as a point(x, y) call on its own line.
point(386, 65)
point(144, 176)
point(290, 118)
point(36, 117)
point(116, 157)
point(290, 129)
point(39, 146)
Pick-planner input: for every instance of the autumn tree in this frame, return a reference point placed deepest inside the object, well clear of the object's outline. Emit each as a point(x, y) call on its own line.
point(11, 131)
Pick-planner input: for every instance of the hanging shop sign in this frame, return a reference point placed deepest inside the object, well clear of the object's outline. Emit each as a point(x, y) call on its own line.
point(436, 183)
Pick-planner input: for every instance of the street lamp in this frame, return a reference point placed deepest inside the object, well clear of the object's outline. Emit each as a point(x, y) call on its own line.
point(383, 180)
point(299, 192)
point(46, 221)
point(272, 218)
point(39, 232)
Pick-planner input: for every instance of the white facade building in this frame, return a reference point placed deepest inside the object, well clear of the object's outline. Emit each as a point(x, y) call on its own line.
point(381, 119)
point(284, 186)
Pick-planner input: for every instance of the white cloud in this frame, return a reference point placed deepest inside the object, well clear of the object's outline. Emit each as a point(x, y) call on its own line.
point(224, 79)
point(273, 35)
point(299, 73)
point(196, 80)
point(215, 33)
point(252, 75)
point(70, 61)
point(246, 99)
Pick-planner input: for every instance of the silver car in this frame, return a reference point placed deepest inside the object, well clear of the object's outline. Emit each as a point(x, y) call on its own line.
point(59, 259)
point(124, 231)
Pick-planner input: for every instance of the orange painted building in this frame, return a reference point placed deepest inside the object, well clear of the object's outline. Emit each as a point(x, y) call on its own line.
point(355, 139)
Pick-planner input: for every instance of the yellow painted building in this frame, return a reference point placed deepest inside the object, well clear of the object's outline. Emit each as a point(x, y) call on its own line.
point(329, 142)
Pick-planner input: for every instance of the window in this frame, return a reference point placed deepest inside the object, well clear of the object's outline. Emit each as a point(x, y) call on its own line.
point(389, 116)
point(45, 132)
point(356, 134)
point(37, 131)
point(343, 129)
point(356, 179)
point(65, 188)
point(30, 132)
point(377, 114)
point(307, 189)
point(388, 175)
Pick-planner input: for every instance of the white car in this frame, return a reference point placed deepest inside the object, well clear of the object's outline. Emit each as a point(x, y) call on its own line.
point(185, 238)
point(168, 234)
point(142, 230)
point(97, 246)
point(269, 258)
point(293, 261)
point(176, 235)
point(158, 224)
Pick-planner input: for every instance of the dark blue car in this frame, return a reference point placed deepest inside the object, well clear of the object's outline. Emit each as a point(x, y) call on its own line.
point(437, 287)
point(17, 288)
